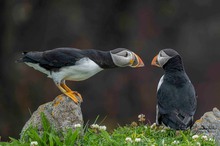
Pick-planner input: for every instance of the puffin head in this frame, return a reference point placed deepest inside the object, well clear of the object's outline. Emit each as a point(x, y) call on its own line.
point(123, 57)
point(163, 57)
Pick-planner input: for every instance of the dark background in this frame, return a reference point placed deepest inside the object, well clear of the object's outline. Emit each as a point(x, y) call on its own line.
point(144, 26)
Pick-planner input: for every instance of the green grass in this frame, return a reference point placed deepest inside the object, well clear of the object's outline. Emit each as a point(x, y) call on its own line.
point(135, 134)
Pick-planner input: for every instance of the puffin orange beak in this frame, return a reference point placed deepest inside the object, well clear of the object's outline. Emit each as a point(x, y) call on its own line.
point(155, 62)
point(137, 62)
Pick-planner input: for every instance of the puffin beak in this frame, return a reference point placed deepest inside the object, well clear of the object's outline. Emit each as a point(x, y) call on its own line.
point(137, 62)
point(155, 62)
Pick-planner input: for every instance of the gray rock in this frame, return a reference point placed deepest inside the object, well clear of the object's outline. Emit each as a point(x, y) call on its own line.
point(209, 124)
point(62, 113)
point(216, 112)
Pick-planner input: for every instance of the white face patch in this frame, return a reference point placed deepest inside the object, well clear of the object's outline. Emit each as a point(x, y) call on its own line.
point(162, 58)
point(83, 69)
point(123, 58)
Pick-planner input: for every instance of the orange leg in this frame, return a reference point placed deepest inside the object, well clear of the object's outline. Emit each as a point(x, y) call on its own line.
point(65, 87)
point(68, 92)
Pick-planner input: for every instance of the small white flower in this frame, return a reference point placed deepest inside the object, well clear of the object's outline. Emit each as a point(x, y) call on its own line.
point(141, 117)
point(204, 137)
point(153, 125)
point(102, 128)
point(211, 139)
point(95, 126)
point(137, 140)
point(175, 142)
point(198, 144)
point(34, 143)
point(128, 139)
point(163, 130)
point(195, 136)
point(77, 125)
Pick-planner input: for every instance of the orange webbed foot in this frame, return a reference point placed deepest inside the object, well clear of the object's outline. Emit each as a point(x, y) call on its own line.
point(75, 96)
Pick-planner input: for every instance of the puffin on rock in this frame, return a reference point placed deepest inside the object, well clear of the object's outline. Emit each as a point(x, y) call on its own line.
point(73, 64)
point(176, 96)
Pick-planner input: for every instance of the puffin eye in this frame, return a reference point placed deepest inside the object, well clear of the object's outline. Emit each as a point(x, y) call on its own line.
point(126, 54)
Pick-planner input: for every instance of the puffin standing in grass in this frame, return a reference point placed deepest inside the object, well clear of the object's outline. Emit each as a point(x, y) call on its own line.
point(73, 64)
point(176, 96)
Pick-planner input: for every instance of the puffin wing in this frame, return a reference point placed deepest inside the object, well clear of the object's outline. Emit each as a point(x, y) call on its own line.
point(171, 97)
point(61, 57)
point(54, 59)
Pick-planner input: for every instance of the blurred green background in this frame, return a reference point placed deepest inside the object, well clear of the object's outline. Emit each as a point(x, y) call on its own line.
point(143, 26)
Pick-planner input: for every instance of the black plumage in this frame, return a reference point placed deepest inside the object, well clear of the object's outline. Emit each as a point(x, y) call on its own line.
point(176, 96)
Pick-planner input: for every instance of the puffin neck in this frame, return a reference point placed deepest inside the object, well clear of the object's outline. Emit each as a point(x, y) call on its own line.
point(102, 58)
point(174, 64)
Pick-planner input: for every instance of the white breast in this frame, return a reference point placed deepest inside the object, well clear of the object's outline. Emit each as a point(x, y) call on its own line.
point(83, 69)
point(160, 82)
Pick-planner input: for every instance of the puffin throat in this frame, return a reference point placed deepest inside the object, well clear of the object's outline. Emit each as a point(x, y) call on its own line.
point(174, 64)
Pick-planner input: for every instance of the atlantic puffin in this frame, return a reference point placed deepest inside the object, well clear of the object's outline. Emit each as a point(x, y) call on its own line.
point(73, 64)
point(176, 95)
